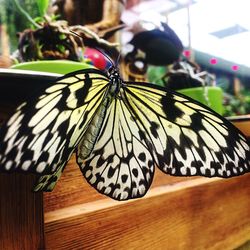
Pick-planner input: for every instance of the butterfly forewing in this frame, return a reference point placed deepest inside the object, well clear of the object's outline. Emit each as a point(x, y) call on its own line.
point(187, 137)
point(43, 132)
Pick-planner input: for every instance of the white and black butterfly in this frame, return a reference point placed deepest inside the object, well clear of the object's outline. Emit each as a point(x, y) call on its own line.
point(120, 131)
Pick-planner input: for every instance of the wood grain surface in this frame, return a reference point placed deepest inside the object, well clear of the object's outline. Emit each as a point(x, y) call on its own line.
point(192, 214)
point(73, 189)
point(244, 126)
point(21, 213)
point(177, 213)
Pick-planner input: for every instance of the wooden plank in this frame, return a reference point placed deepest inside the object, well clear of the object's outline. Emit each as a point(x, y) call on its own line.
point(242, 122)
point(244, 126)
point(73, 189)
point(195, 214)
point(21, 213)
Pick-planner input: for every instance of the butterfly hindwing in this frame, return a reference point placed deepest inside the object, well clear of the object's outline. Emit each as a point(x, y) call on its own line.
point(43, 132)
point(121, 165)
point(188, 138)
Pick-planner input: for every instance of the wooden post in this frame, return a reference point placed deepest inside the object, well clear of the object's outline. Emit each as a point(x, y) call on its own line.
point(21, 213)
point(21, 210)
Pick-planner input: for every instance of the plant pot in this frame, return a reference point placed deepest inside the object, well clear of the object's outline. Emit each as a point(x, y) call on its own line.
point(53, 66)
point(214, 98)
point(22, 80)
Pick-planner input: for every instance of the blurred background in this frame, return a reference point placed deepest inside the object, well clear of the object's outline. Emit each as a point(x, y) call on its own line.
point(182, 44)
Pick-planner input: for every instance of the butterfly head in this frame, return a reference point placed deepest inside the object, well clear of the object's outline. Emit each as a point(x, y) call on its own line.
point(113, 72)
point(115, 79)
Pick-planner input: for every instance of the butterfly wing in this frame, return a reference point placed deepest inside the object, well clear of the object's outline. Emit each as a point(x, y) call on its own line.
point(147, 125)
point(121, 165)
point(187, 137)
point(43, 132)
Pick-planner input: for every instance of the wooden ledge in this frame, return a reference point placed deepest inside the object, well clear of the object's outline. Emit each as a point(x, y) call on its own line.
point(196, 214)
point(106, 203)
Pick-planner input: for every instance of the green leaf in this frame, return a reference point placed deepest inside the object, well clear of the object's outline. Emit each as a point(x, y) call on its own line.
point(62, 36)
point(42, 6)
point(61, 48)
point(25, 13)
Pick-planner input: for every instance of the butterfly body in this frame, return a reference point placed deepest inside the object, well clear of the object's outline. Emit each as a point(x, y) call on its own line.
point(87, 143)
point(120, 131)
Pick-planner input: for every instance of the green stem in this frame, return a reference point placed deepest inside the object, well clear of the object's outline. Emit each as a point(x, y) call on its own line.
point(26, 14)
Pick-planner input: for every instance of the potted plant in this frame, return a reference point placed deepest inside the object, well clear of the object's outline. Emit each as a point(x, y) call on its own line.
point(185, 77)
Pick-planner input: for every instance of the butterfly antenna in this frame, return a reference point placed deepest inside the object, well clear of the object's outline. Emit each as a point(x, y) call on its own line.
point(118, 59)
point(106, 55)
point(103, 53)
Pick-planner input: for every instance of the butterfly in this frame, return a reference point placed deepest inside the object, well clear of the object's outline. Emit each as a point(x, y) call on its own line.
point(120, 132)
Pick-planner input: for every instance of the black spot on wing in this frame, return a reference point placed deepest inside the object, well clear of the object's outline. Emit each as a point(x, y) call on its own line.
point(220, 157)
point(124, 178)
point(135, 172)
point(83, 92)
point(177, 165)
point(153, 129)
point(142, 156)
point(28, 154)
point(181, 148)
point(196, 123)
point(44, 156)
point(13, 152)
point(86, 113)
point(200, 149)
point(3, 146)
point(142, 135)
point(169, 107)
point(215, 165)
point(197, 164)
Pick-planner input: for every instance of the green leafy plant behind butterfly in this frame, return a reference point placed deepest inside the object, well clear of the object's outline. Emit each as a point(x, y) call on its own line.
point(42, 6)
